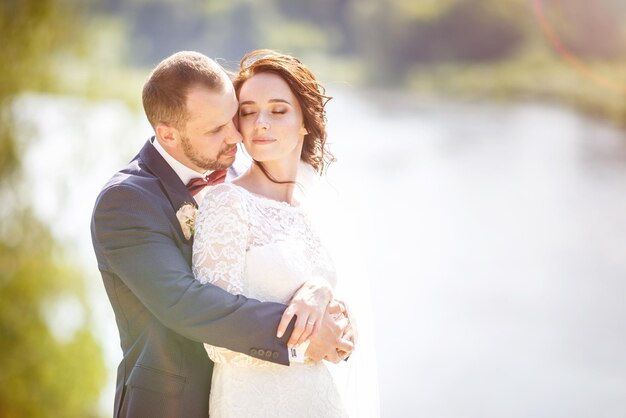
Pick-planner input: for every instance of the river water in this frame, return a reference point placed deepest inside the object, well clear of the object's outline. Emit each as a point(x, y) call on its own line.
point(491, 239)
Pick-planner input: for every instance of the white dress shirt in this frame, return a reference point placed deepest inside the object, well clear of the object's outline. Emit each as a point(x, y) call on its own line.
point(185, 173)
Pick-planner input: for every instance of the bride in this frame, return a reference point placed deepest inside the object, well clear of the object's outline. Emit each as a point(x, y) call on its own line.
point(253, 238)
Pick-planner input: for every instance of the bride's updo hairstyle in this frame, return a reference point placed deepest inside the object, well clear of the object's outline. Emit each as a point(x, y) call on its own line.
point(310, 94)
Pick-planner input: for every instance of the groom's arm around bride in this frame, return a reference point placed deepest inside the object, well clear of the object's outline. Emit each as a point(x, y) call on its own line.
point(162, 312)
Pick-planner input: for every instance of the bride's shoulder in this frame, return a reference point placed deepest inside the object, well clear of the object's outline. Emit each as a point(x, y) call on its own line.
point(225, 194)
point(226, 187)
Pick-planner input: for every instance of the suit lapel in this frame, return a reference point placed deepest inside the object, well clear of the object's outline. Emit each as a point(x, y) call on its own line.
point(173, 187)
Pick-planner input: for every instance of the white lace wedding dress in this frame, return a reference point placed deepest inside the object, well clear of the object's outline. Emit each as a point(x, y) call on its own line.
point(264, 249)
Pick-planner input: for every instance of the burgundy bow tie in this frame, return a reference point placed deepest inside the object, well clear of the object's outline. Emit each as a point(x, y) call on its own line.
point(195, 185)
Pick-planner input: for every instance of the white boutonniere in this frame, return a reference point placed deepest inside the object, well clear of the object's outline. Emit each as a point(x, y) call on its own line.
point(187, 217)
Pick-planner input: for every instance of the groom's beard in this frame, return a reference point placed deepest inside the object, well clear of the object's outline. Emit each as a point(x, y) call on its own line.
point(218, 163)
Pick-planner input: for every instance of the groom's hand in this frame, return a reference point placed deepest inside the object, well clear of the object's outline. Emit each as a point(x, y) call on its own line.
point(350, 333)
point(329, 340)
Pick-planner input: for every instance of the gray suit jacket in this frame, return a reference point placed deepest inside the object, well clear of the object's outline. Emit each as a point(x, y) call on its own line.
point(163, 314)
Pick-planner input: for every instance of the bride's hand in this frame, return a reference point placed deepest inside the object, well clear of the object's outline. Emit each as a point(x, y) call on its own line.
point(308, 304)
point(330, 342)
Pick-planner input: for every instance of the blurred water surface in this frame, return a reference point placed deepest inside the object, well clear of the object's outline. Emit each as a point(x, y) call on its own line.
point(492, 237)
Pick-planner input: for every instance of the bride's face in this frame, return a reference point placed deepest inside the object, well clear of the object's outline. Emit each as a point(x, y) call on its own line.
point(270, 119)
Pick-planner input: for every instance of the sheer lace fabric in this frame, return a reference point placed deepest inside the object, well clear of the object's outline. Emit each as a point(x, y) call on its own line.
point(266, 250)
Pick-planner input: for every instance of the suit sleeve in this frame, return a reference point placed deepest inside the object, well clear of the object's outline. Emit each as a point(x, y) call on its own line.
point(135, 238)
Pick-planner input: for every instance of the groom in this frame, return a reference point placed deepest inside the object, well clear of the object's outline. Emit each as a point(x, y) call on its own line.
point(144, 252)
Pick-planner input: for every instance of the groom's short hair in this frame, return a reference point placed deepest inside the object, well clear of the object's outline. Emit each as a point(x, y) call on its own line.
point(165, 92)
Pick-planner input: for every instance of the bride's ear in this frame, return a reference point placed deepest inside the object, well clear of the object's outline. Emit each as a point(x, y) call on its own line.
point(303, 130)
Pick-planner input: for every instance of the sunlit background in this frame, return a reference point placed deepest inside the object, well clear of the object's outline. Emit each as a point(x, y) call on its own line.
point(479, 194)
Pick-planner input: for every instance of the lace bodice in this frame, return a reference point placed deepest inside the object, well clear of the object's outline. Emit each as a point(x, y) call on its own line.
point(266, 250)
point(258, 247)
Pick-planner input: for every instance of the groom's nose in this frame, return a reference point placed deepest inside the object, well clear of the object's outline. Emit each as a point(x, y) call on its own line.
point(233, 136)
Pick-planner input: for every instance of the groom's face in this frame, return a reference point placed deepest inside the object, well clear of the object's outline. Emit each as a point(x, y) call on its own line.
point(209, 139)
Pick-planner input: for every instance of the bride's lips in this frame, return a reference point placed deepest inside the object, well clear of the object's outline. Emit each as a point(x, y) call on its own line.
point(260, 140)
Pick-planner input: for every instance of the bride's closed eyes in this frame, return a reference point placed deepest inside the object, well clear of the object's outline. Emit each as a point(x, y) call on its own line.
point(243, 112)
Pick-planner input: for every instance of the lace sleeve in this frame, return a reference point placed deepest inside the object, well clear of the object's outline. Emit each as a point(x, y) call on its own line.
point(221, 238)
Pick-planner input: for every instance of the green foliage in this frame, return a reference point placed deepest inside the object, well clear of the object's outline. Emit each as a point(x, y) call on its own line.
point(100, 67)
point(43, 374)
point(298, 38)
point(534, 74)
point(51, 366)
point(8, 149)
point(33, 31)
point(388, 37)
point(398, 35)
